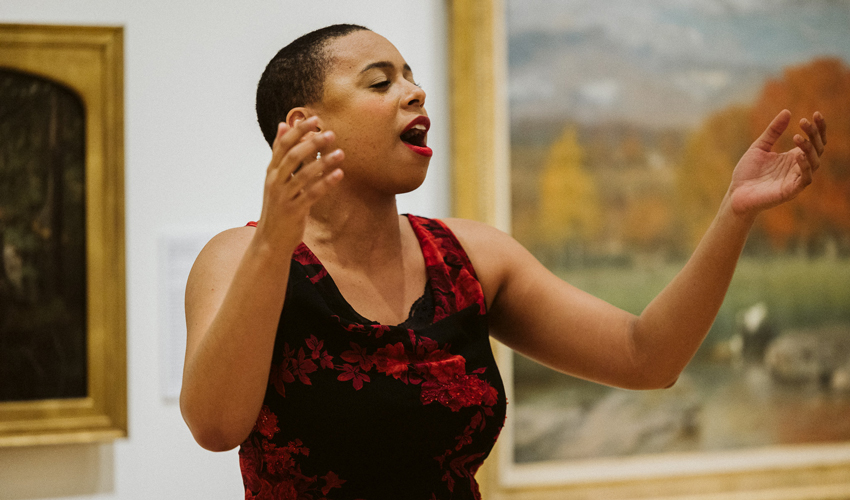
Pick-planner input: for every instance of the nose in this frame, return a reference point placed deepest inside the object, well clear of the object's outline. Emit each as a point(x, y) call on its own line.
point(416, 95)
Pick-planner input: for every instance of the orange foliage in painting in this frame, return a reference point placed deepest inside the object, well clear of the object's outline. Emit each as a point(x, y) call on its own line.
point(822, 213)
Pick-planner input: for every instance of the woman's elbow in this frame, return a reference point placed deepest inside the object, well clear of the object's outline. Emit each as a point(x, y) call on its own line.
point(646, 373)
point(213, 434)
point(654, 381)
point(215, 440)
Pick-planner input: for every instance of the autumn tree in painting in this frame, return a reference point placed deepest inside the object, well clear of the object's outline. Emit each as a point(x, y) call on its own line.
point(711, 153)
point(569, 203)
point(820, 217)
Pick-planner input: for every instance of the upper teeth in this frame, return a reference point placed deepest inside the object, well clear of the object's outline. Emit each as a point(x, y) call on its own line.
point(418, 126)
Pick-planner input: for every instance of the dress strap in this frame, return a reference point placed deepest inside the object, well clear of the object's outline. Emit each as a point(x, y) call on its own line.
point(450, 271)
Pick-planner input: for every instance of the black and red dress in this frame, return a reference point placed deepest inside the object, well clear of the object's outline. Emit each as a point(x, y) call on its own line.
point(359, 410)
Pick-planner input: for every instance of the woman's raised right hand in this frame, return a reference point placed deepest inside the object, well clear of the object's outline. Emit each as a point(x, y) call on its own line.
point(295, 180)
point(237, 287)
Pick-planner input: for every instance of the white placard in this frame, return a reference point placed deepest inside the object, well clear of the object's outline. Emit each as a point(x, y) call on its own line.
point(177, 252)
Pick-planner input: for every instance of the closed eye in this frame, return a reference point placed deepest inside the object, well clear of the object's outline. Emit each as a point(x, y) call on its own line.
point(379, 85)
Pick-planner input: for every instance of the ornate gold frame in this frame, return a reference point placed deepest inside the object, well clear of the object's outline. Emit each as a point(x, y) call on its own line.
point(480, 175)
point(89, 60)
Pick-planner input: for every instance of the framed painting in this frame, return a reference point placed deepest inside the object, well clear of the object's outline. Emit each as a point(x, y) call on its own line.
point(62, 290)
point(602, 135)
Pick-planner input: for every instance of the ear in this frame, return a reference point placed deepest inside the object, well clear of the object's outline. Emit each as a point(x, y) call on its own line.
point(299, 114)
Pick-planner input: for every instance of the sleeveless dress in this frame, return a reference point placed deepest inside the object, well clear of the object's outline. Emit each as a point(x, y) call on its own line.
point(359, 410)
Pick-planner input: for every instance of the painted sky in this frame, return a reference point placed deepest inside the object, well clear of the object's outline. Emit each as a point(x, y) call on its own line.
point(659, 63)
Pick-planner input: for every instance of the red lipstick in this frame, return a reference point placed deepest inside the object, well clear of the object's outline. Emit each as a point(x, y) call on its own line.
point(415, 135)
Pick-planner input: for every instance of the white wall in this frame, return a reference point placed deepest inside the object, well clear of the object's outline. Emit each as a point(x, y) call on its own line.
point(195, 158)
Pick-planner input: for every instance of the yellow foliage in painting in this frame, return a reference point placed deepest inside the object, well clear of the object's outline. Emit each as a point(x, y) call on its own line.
point(569, 201)
point(703, 177)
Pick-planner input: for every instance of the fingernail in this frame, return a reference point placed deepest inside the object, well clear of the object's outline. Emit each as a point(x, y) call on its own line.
point(335, 154)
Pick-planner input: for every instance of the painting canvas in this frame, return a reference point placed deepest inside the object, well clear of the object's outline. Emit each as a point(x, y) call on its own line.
point(626, 120)
point(42, 238)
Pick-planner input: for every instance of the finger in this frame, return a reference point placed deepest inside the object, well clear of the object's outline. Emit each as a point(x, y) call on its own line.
point(314, 171)
point(304, 152)
point(809, 150)
point(820, 121)
point(282, 128)
point(805, 169)
point(320, 188)
point(814, 135)
point(322, 164)
point(769, 137)
point(288, 138)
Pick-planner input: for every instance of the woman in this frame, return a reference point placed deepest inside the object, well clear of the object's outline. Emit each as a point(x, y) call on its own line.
point(362, 385)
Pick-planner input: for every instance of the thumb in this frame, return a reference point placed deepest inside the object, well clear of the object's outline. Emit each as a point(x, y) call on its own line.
point(769, 137)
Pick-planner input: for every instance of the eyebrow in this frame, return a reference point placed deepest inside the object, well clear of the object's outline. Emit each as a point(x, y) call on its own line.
point(384, 65)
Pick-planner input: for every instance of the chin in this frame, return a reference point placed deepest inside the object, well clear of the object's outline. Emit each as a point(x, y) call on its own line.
point(412, 182)
point(409, 186)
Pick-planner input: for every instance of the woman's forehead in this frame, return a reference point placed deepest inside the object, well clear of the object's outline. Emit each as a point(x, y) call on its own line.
point(361, 50)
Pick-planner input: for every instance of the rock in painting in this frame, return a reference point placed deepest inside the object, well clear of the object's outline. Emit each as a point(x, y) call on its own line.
point(820, 356)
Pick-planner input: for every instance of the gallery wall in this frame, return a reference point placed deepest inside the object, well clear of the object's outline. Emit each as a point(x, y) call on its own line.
point(194, 163)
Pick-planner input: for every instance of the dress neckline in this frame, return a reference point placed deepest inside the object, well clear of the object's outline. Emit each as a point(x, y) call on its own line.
point(420, 312)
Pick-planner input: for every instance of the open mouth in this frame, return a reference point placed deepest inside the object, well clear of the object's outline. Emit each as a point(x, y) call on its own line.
point(415, 136)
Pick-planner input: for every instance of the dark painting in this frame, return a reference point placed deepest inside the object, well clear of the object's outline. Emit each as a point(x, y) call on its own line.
point(42, 240)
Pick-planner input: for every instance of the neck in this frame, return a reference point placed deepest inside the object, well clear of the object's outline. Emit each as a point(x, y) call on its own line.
point(353, 231)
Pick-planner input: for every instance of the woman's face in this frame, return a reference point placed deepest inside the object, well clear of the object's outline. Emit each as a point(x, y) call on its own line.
point(377, 112)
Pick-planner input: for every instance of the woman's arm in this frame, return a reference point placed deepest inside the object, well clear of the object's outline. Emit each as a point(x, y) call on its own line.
point(539, 315)
point(236, 290)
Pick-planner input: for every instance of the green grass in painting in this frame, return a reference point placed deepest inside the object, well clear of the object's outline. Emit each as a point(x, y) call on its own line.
point(798, 292)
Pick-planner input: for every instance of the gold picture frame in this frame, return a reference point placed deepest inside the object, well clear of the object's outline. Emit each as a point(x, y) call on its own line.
point(88, 60)
point(480, 176)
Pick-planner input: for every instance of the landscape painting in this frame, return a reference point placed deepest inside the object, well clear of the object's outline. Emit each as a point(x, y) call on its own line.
point(626, 120)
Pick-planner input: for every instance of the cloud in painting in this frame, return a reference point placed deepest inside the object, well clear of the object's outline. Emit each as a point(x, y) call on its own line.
point(671, 61)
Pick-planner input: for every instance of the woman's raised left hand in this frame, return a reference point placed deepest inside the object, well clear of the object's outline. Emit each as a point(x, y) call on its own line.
point(764, 179)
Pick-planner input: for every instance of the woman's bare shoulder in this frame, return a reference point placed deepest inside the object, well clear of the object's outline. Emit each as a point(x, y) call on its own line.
point(480, 239)
point(221, 255)
point(233, 237)
point(226, 245)
point(468, 228)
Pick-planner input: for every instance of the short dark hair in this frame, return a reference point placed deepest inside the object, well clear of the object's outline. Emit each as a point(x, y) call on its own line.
point(295, 76)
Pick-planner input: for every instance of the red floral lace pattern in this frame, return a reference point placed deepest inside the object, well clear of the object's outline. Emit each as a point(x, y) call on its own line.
point(451, 273)
point(441, 375)
point(272, 472)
